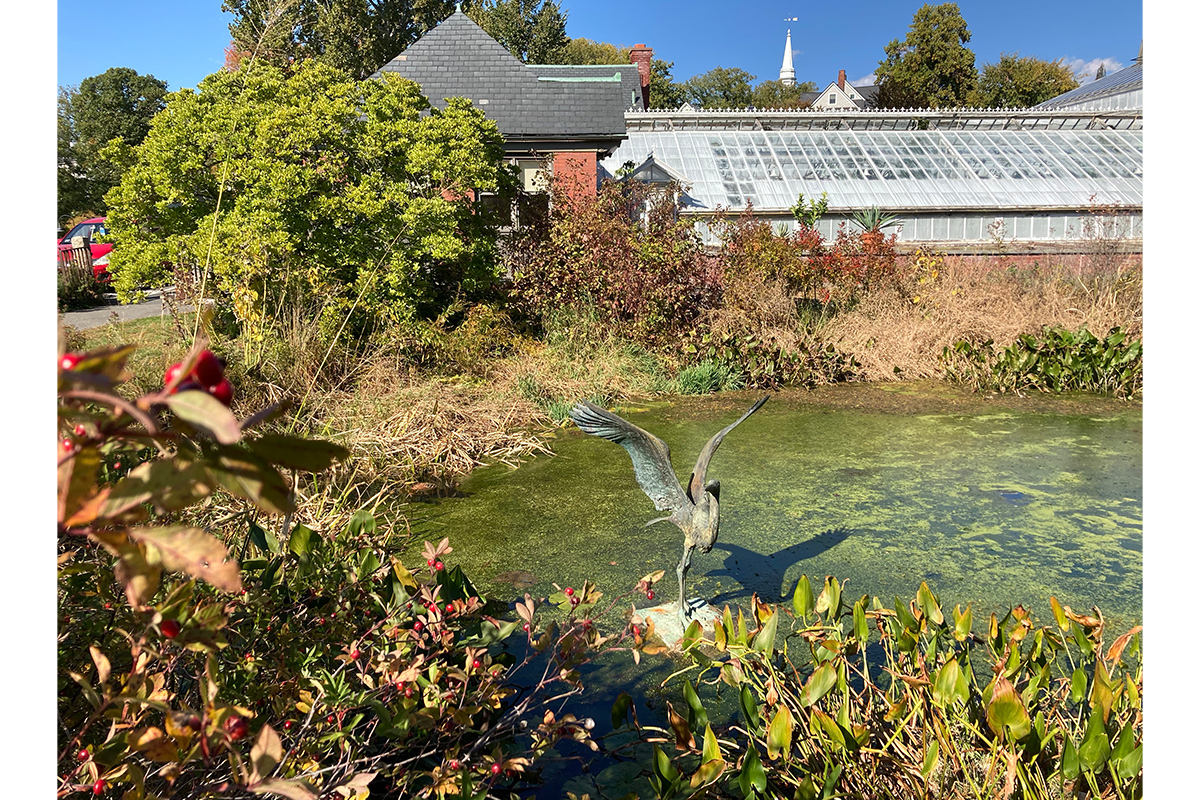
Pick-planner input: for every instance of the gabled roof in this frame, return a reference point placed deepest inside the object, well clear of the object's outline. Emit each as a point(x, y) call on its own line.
point(459, 59)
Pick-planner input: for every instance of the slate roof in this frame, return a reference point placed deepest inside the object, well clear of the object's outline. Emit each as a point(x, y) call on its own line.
point(458, 59)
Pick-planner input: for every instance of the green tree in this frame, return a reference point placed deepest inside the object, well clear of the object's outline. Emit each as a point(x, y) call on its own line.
point(1015, 82)
point(774, 94)
point(306, 184)
point(585, 51)
point(664, 91)
point(356, 36)
point(720, 87)
point(534, 31)
point(117, 104)
point(932, 67)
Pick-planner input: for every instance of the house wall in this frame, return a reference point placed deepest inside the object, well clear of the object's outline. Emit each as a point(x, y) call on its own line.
point(577, 172)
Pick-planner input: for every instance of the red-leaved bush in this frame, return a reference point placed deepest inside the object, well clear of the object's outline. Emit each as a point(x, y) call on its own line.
point(625, 253)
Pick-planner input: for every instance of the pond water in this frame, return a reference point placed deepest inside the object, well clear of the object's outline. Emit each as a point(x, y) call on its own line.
point(992, 502)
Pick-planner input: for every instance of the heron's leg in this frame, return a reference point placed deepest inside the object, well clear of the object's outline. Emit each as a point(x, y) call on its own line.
point(684, 564)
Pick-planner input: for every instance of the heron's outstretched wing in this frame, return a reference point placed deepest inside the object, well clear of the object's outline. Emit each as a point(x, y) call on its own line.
point(696, 484)
point(651, 456)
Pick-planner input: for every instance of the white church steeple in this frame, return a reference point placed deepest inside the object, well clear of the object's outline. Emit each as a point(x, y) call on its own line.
point(787, 75)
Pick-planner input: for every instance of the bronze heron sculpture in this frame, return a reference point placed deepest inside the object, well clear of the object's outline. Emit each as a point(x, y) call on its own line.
point(695, 511)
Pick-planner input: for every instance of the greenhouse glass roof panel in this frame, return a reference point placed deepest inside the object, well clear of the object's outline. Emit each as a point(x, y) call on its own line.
point(898, 169)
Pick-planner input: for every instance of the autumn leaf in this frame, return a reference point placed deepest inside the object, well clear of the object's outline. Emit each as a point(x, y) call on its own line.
point(193, 551)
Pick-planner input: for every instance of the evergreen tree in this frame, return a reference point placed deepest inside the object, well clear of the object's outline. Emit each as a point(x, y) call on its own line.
point(932, 67)
point(534, 31)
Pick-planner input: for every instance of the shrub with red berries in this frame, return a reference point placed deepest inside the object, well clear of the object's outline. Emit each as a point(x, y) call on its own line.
point(206, 373)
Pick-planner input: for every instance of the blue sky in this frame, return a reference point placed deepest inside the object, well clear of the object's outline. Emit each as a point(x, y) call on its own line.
point(184, 40)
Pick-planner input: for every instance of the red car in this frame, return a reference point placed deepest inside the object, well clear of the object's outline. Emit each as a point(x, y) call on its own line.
point(90, 230)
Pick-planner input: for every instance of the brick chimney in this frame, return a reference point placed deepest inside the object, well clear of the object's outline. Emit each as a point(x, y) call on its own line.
point(842, 79)
point(641, 55)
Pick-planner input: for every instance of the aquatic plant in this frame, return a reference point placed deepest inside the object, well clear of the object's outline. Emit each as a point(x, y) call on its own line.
point(936, 710)
point(1057, 361)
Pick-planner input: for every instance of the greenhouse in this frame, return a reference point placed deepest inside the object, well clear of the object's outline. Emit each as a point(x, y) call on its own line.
point(974, 176)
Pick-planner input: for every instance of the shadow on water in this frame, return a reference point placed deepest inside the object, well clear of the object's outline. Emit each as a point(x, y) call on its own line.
point(764, 574)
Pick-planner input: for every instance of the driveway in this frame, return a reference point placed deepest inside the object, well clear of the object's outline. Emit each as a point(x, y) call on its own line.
point(95, 317)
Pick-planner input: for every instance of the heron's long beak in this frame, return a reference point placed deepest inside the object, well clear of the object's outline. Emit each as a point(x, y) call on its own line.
point(660, 519)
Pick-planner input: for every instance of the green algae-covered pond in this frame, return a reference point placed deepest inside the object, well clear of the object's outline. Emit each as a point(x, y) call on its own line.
point(993, 502)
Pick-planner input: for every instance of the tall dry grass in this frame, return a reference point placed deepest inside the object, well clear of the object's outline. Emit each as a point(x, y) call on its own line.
point(942, 299)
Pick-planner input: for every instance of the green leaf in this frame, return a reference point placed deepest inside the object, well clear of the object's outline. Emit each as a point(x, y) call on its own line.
point(962, 623)
point(764, 640)
point(245, 475)
point(929, 605)
point(171, 484)
point(1078, 685)
point(203, 411)
point(1129, 766)
point(663, 767)
point(266, 753)
point(263, 540)
point(294, 452)
point(779, 734)
point(711, 749)
point(749, 709)
point(802, 599)
point(697, 716)
point(819, 683)
point(302, 542)
point(620, 709)
point(931, 759)
point(1094, 751)
point(945, 685)
point(692, 636)
point(752, 779)
point(363, 522)
point(367, 564)
point(1006, 712)
point(861, 631)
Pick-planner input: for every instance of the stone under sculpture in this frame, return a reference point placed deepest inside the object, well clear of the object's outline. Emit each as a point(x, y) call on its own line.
point(696, 510)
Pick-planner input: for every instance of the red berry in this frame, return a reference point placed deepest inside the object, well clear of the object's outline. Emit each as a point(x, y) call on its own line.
point(80, 430)
point(476, 664)
point(172, 373)
point(208, 369)
point(170, 628)
point(320, 620)
point(439, 566)
point(449, 608)
point(116, 465)
point(454, 765)
point(569, 592)
point(430, 562)
point(650, 595)
point(287, 726)
point(574, 601)
point(526, 626)
point(67, 445)
point(408, 691)
point(69, 360)
point(223, 391)
point(329, 719)
point(355, 654)
point(236, 727)
point(418, 625)
point(99, 786)
point(84, 755)
point(193, 722)
point(497, 769)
